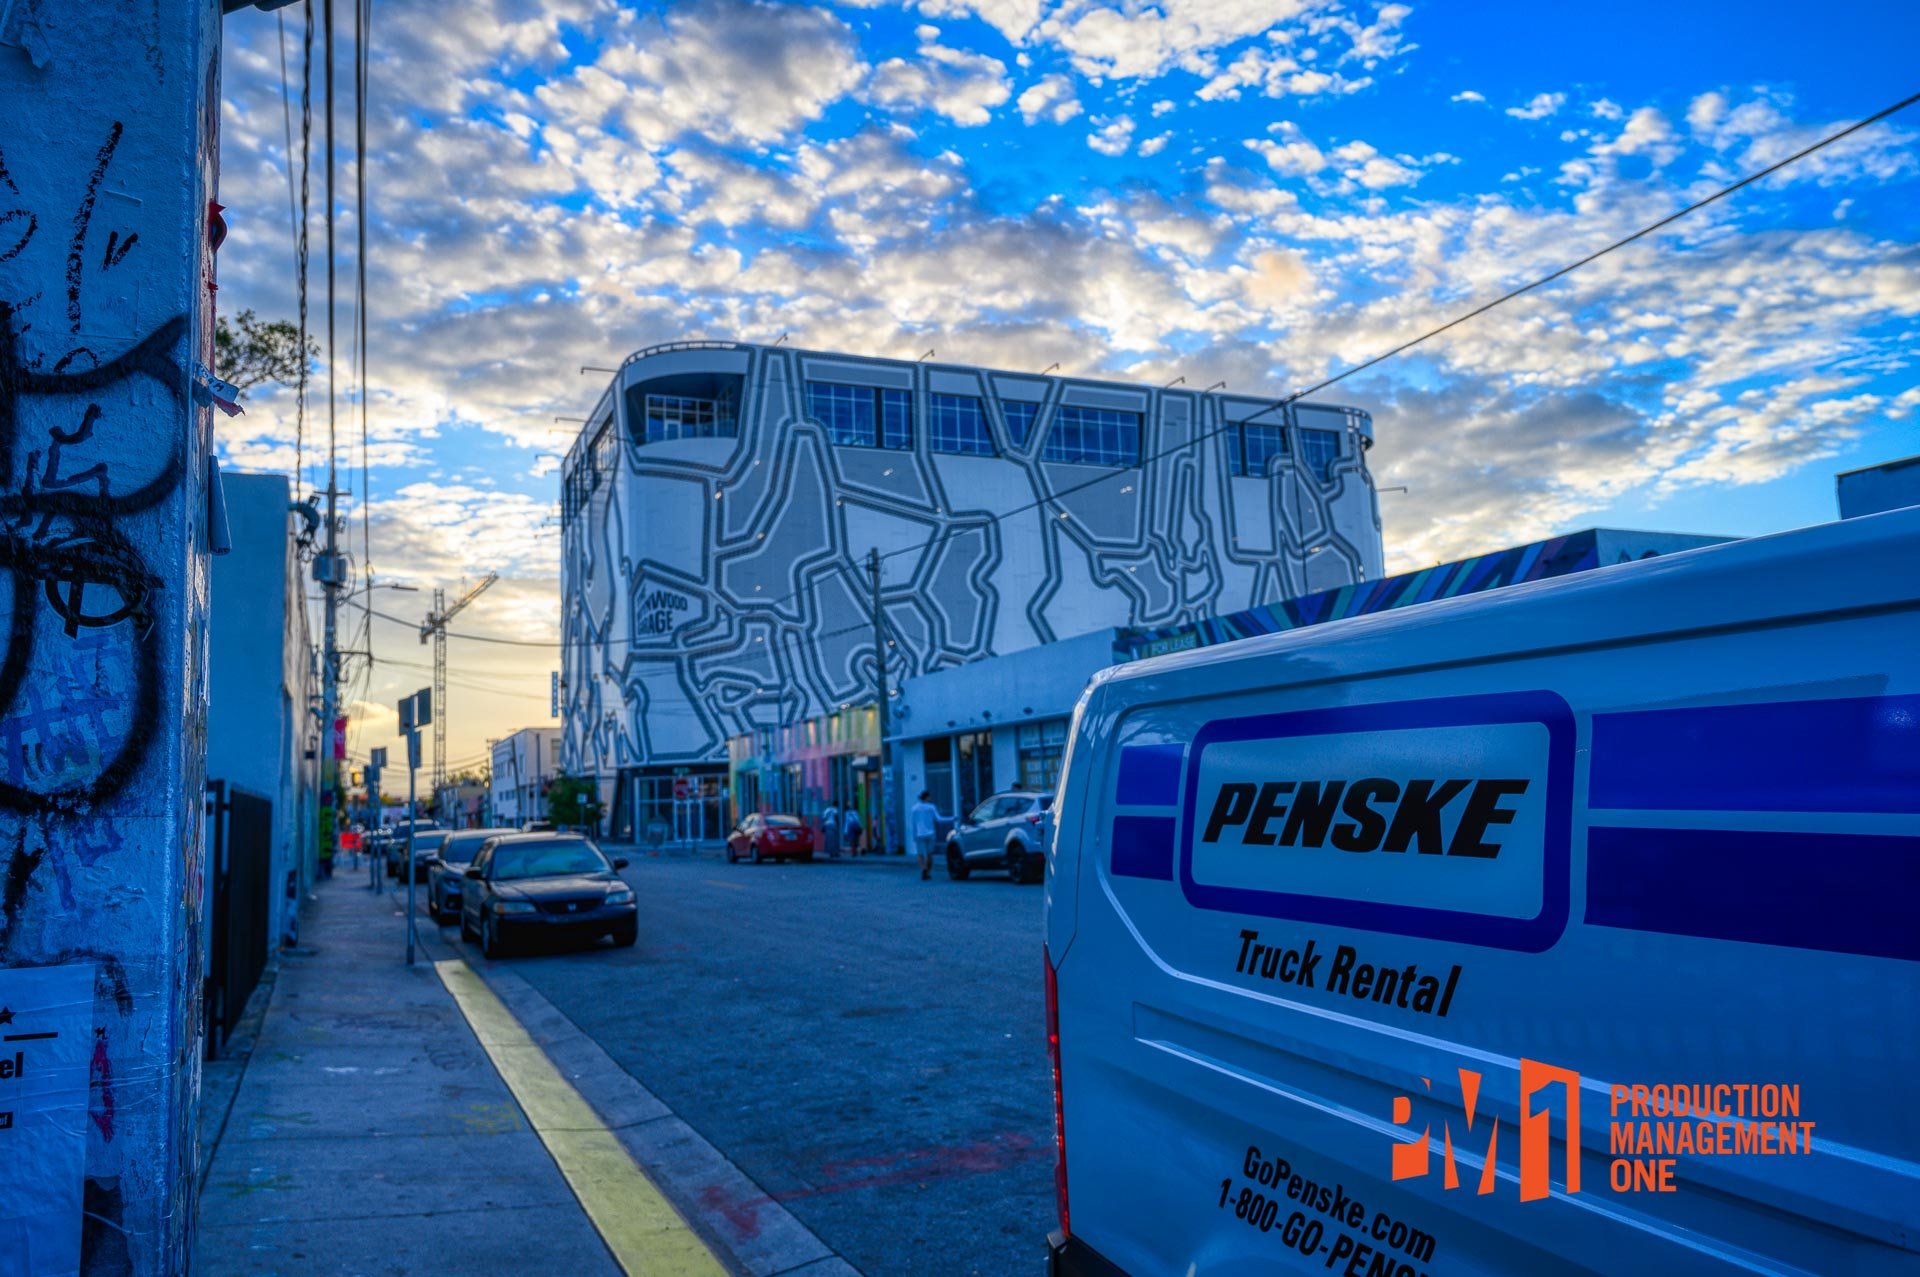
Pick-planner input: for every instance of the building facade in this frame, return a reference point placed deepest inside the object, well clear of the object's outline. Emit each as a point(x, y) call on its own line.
point(727, 508)
point(524, 764)
point(262, 736)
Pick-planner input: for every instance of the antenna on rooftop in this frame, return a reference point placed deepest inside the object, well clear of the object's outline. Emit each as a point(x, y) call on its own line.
point(928, 355)
point(1170, 385)
point(783, 337)
point(1218, 385)
point(1049, 368)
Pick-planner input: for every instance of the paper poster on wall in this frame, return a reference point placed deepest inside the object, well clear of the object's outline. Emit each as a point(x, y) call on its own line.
point(46, 1034)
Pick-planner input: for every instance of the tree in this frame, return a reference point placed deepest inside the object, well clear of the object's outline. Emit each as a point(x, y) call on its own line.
point(573, 801)
point(252, 352)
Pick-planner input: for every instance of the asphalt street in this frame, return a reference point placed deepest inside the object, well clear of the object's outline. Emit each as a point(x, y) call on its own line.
point(867, 1047)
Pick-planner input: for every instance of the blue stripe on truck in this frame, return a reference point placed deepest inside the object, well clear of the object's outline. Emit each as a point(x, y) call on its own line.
point(1842, 893)
point(1143, 847)
point(1857, 754)
point(1149, 775)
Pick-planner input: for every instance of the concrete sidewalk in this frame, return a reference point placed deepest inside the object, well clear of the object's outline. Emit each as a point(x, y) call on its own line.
point(370, 1133)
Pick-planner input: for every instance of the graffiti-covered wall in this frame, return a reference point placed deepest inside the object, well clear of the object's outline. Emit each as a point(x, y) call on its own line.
point(107, 168)
point(719, 509)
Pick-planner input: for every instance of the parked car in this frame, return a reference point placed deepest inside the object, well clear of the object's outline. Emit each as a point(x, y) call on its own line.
point(759, 837)
point(426, 845)
point(447, 870)
point(396, 848)
point(1008, 831)
point(553, 885)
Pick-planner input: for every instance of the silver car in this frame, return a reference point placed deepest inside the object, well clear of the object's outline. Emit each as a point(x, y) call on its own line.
point(1008, 831)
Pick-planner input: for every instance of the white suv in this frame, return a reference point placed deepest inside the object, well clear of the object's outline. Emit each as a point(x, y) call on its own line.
point(1008, 831)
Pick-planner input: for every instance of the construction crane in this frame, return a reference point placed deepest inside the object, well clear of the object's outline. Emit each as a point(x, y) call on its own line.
point(435, 628)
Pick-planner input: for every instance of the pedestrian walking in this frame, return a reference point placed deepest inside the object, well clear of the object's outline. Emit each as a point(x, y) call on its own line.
point(830, 830)
point(851, 831)
point(924, 819)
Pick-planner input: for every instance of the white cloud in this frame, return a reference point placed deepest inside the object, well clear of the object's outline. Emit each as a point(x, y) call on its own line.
point(1051, 98)
point(728, 70)
point(964, 87)
point(1539, 107)
point(1606, 109)
point(1161, 107)
point(1275, 74)
point(1468, 95)
point(1142, 42)
point(1111, 136)
point(1154, 145)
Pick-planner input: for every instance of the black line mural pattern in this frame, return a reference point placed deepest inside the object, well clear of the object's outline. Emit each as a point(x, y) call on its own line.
point(713, 585)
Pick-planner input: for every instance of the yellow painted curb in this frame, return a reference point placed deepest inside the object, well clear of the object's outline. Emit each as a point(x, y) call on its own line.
point(642, 1229)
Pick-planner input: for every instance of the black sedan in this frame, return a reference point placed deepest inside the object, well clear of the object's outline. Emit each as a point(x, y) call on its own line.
point(447, 871)
point(553, 885)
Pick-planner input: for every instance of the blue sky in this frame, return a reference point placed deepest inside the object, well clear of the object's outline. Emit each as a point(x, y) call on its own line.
point(1260, 191)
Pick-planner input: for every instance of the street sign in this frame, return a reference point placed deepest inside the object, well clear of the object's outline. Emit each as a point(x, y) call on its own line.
point(413, 752)
point(682, 787)
point(339, 739)
point(553, 686)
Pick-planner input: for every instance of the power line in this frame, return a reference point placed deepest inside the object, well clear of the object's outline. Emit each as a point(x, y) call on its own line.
point(301, 254)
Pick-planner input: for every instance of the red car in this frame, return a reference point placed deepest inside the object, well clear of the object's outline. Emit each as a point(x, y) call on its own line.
point(759, 838)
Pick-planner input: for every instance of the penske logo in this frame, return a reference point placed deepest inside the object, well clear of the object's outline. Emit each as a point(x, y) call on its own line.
point(1454, 816)
point(1446, 818)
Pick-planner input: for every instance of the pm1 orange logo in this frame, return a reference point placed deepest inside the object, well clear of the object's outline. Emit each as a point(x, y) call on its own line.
point(1649, 1128)
point(1411, 1158)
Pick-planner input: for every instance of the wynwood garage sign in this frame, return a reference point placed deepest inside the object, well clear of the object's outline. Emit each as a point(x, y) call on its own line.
point(659, 610)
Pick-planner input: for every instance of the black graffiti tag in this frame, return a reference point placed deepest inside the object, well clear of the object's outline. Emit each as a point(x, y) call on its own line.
point(60, 539)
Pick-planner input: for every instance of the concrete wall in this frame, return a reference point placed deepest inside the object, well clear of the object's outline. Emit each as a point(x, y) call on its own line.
point(261, 672)
point(109, 144)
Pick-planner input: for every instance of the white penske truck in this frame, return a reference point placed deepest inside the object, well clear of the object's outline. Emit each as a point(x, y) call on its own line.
point(1571, 927)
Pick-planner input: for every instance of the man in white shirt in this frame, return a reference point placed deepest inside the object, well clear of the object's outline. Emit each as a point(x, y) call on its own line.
point(924, 820)
point(830, 830)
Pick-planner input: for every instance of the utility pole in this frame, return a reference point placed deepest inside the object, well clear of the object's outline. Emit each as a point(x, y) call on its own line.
point(435, 627)
point(880, 675)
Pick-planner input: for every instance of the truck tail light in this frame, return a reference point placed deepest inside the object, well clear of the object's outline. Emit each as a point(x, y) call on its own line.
point(1059, 1109)
point(1036, 818)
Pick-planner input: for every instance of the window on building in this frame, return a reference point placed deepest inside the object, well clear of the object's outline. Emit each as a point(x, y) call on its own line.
point(1040, 746)
point(937, 753)
point(671, 417)
point(957, 423)
point(1265, 444)
point(1319, 449)
point(1020, 419)
point(973, 767)
point(896, 419)
point(862, 416)
point(1093, 437)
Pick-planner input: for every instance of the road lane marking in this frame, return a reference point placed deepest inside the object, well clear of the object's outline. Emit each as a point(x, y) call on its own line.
point(730, 886)
point(638, 1224)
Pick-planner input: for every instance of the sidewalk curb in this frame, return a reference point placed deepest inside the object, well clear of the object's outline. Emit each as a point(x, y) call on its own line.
point(756, 1235)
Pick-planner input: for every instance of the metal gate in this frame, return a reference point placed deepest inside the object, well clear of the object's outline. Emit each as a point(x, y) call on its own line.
point(240, 825)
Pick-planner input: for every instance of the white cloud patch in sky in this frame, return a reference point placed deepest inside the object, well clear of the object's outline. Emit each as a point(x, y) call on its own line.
point(1111, 136)
point(1539, 107)
point(1052, 98)
point(1468, 95)
point(964, 87)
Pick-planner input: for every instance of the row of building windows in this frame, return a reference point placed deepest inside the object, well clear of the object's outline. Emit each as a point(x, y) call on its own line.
point(879, 417)
point(862, 416)
point(1255, 447)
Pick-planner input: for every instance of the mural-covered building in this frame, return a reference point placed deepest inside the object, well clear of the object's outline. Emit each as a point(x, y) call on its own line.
point(722, 505)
